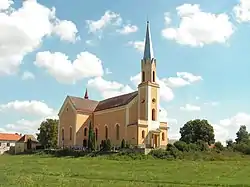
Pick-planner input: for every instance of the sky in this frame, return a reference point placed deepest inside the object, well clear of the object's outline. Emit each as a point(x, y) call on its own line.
point(52, 48)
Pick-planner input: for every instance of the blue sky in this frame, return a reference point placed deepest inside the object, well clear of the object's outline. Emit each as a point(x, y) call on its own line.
point(53, 48)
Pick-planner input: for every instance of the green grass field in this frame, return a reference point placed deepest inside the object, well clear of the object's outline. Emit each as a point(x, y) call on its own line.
point(34, 170)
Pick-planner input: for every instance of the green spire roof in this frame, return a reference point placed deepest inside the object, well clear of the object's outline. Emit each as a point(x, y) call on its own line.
point(148, 48)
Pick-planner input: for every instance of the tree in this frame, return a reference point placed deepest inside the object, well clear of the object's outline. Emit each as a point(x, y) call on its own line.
point(197, 130)
point(108, 145)
point(230, 143)
point(91, 139)
point(123, 144)
point(219, 146)
point(242, 135)
point(48, 132)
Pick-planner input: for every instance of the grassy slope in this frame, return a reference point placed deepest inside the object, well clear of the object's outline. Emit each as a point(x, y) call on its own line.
point(37, 171)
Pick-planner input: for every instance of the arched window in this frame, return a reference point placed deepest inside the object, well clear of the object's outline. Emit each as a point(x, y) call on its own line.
point(106, 132)
point(85, 131)
point(153, 76)
point(143, 76)
point(70, 133)
point(153, 114)
point(62, 134)
point(163, 136)
point(117, 132)
point(96, 134)
point(143, 134)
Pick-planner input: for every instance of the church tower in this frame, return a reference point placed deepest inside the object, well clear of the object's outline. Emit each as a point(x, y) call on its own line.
point(148, 89)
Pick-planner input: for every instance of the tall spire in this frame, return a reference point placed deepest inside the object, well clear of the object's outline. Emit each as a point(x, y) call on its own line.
point(86, 94)
point(148, 48)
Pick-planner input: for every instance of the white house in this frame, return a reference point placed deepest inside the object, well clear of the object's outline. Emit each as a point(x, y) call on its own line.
point(8, 141)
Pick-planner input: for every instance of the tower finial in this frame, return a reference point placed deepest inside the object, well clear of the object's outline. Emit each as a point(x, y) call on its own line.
point(86, 94)
point(148, 48)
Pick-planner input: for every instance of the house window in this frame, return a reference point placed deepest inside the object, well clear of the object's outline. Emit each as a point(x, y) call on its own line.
point(117, 132)
point(67, 109)
point(143, 134)
point(8, 144)
point(70, 133)
point(153, 114)
point(62, 134)
point(106, 132)
point(143, 76)
point(163, 136)
point(96, 134)
point(85, 131)
point(153, 76)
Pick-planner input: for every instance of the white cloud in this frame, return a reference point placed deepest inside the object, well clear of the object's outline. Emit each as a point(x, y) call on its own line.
point(89, 42)
point(109, 18)
point(27, 75)
point(58, 65)
point(197, 98)
point(138, 45)
point(242, 11)
point(198, 28)
point(237, 120)
point(227, 128)
point(189, 76)
point(66, 30)
point(163, 117)
point(182, 79)
point(107, 71)
point(25, 126)
point(5, 4)
point(127, 29)
point(33, 107)
point(109, 88)
point(167, 18)
point(189, 108)
point(213, 103)
point(166, 93)
point(22, 31)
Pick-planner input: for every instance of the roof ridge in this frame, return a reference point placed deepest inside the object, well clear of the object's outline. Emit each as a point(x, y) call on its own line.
point(82, 98)
point(119, 96)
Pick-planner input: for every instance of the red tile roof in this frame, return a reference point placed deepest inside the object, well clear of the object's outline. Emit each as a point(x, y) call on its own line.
point(9, 137)
point(93, 106)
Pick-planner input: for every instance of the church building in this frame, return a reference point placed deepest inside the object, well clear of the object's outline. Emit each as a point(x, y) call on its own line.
point(133, 117)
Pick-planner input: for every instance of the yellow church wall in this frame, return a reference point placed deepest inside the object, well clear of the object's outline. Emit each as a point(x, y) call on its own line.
point(141, 139)
point(154, 95)
point(133, 113)
point(67, 119)
point(82, 122)
point(142, 96)
point(132, 134)
point(111, 118)
point(164, 132)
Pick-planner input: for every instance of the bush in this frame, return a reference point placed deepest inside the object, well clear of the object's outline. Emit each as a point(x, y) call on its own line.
point(202, 146)
point(193, 147)
point(243, 148)
point(108, 145)
point(219, 146)
point(159, 153)
point(181, 146)
point(123, 144)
